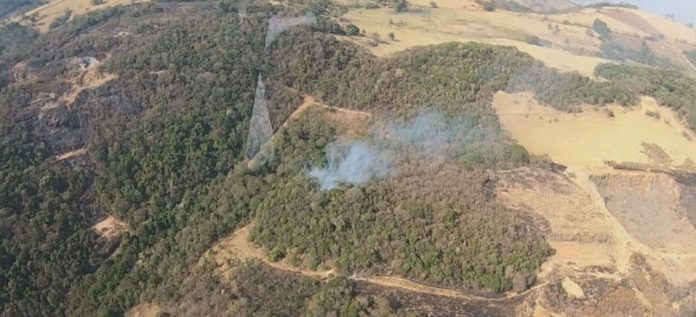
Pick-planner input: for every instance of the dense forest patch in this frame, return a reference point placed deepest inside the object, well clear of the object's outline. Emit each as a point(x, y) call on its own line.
point(671, 88)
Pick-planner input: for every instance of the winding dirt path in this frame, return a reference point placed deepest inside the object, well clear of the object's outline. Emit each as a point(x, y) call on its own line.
point(237, 245)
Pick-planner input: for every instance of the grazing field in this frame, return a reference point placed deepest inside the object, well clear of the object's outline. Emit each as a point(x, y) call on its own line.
point(596, 135)
point(468, 23)
point(565, 41)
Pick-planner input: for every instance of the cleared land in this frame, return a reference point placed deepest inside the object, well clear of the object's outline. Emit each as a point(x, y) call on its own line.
point(110, 228)
point(597, 135)
point(350, 123)
point(598, 240)
point(71, 154)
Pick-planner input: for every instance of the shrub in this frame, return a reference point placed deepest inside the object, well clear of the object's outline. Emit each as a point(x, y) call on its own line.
point(276, 255)
point(533, 40)
point(61, 20)
point(401, 6)
point(518, 154)
point(601, 28)
point(653, 114)
point(352, 30)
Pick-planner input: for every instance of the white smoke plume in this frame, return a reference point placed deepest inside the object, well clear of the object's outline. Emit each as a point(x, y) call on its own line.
point(277, 25)
point(351, 163)
point(430, 135)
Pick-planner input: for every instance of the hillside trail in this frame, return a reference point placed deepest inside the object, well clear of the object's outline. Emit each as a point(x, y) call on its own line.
point(671, 262)
point(622, 241)
point(310, 101)
point(237, 245)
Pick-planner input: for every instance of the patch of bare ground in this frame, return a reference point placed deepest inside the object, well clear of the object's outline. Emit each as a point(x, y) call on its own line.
point(144, 310)
point(621, 247)
point(237, 247)
point(648, 206)
point(90, 77)
point(350, 123)
point(71, 154)
point(631, 19)
point(110, 228)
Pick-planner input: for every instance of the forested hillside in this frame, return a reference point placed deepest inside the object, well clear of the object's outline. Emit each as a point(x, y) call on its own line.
point(671, 88)
point(164, 138)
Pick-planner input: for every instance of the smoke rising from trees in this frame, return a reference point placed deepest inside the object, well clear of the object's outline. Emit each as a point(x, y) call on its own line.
point(430, 135)
point(277, 25)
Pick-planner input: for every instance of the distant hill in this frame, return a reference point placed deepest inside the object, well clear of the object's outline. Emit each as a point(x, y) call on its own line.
point(548, 5)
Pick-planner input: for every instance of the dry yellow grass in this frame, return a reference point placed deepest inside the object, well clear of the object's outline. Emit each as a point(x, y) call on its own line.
point(49, 12)
point(578, 230)
point(672, 30)
point(590, 138)
point(464, 23)
point(586, 235)
point(570, 49)
point(584, 231)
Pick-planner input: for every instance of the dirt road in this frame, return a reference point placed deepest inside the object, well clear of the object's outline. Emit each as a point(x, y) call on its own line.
point(237, 245)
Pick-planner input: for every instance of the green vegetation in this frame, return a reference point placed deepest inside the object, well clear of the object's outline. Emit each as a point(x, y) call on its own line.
point(624, 49)
point(511, 5)
point(618, 50)
point(61, 19)
point(691, 55)
point(671, 88)
point(13, 7)
point(508, 5)
point(352, 30)
point(256, 290)
point(488, 5)
point(401, 6)
point(534, 40)
point(13, 48)
point(601, 28)
point(165, 142)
